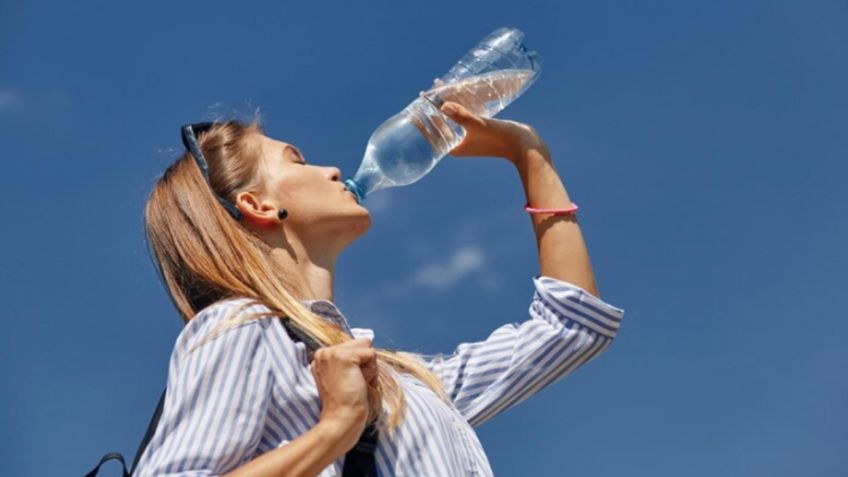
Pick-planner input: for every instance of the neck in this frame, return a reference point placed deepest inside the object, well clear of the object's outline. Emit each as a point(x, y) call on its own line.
point(312, 272)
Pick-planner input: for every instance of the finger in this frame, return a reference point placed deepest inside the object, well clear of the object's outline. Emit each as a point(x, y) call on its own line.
point(443, 127)
point(370, 373)
point(461, 114)
point(370, 368)
point(426, 131)
point(361, 355)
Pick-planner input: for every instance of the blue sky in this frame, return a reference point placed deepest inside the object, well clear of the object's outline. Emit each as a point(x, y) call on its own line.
point(705, 143)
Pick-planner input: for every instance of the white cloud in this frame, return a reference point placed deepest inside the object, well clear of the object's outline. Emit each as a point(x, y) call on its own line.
point(9, 99)
point(38, 101)
point(470, 262)
point(442, 275)
point(492, 281)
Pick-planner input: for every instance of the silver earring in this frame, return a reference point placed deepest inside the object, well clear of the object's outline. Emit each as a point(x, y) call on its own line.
point(282, 214)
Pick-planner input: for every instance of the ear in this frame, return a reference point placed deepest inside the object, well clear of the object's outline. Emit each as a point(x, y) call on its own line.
point(256, 212)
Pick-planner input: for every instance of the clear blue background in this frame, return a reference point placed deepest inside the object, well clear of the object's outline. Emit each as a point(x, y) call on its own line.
point(705, 143)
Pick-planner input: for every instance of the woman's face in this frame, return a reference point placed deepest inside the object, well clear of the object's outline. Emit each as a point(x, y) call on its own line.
point(319, 208)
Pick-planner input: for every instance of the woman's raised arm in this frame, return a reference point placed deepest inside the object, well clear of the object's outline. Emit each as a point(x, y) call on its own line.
point(562, 251)
point(569, 325)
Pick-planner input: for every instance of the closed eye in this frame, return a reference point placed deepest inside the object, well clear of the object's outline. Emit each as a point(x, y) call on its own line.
point(296, 153)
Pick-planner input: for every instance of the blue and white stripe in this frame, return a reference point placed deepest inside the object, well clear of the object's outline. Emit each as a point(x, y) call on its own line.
point(250, 389)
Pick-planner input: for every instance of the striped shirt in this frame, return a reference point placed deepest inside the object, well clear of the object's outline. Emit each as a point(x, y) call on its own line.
point(250, 390)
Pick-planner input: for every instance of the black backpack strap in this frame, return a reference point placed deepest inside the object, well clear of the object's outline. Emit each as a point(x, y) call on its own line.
point(359, 461)
point(151, 428)
point(106, 458)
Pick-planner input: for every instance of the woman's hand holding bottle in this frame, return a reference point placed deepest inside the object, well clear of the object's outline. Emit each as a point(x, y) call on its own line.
point(492, 137)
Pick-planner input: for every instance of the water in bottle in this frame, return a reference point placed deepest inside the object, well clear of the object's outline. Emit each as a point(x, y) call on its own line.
point(409, 144)
point(404, 148)
point(485, 94)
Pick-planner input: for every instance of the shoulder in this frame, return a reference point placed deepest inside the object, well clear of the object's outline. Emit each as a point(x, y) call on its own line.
point(229, 318)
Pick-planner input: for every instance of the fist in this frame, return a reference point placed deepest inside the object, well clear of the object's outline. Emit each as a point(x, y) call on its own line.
point(342, 374)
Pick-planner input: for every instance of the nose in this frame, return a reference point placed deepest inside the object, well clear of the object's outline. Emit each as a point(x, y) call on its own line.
point(335, 173)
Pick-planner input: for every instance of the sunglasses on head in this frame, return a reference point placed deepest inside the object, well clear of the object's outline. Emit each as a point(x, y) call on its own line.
point(189, 133)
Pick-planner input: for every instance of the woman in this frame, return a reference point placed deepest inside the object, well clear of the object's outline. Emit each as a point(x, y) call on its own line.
point(244, 398)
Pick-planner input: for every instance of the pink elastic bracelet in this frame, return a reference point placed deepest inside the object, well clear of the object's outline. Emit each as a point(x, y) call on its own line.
point(567, 211)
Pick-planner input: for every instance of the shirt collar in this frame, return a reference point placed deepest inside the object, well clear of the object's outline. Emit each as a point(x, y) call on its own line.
point(328, 310)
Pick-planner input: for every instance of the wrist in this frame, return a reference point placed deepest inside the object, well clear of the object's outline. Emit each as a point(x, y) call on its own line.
point(524, 141)
point(342, 432)
point(528, 151)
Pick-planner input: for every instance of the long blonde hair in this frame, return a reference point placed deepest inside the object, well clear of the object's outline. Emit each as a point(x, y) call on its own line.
point(204, 256)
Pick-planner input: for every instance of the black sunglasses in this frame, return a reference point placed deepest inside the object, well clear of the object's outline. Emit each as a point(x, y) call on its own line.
point(189, 132)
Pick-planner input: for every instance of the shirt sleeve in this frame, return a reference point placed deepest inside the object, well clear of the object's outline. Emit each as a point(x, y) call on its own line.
point(216, 401)
point(568, 327)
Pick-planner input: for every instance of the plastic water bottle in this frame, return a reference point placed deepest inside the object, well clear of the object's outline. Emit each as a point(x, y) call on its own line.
point(409, 144)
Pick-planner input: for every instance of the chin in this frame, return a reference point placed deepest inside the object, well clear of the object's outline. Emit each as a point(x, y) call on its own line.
point(365, 219)
point(353, 222)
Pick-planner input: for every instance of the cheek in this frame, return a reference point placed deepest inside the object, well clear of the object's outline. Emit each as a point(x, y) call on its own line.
point(305, 192)
point(310, 191)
